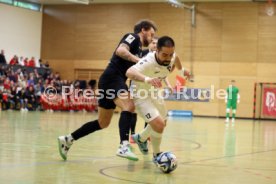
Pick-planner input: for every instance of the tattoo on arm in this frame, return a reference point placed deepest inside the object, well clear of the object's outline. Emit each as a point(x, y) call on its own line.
point(125, 54)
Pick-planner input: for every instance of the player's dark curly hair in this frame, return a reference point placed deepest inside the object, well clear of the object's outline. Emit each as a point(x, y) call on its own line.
point(146, 24)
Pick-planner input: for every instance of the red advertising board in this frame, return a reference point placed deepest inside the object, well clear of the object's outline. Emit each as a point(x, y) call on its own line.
point(269, 102)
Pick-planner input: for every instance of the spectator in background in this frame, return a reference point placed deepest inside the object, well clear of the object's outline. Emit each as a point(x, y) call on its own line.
point(20, 97)
point(2, 79)
point(57, 76)
point(26, 62)
point(30, 98)
point(2, 71)
point(30, 81)
point(5, 99)
point(7, 83)
point(2, 57)
point(31, 62)
point(40, 64)
point(12, 98)
point(47, 64)
point(22, 81)
point(21, 61)
point(14, 60)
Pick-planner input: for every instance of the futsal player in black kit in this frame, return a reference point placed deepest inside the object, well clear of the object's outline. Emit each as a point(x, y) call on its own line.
point(112, 87)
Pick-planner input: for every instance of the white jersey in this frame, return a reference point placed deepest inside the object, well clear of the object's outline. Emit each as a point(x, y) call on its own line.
point(150, 68)
point(148, 103)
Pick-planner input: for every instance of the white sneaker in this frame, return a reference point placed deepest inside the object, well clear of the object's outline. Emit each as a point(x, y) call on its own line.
point(63, 146)
point(227, 120)
point(233, 120)
point(125, 151)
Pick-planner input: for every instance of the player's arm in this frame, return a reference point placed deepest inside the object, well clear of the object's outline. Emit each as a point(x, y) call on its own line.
point(180, 68)
point(226, 96)
point(136, 73)
point(123, 52)
point(238, 98)
point(168, 84)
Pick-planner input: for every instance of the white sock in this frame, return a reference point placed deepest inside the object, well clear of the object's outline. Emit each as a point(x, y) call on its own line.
point(155, 142)
point(146, 132)
point(70, 139)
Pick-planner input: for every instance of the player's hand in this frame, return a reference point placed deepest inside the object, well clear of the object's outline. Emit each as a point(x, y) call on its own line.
point(186, 74)
point(156, 82)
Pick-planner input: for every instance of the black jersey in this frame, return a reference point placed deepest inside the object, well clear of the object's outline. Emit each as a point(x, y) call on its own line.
point(145, 52)
point(135, 48)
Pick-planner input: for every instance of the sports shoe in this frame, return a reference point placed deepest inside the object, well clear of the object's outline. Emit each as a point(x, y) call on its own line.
point(63, 146)
point(155, 158)
point(143, 146)
point(131, 140)
point(125, 151)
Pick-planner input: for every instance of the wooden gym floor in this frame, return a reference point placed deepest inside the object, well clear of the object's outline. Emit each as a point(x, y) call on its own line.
point(208, 152)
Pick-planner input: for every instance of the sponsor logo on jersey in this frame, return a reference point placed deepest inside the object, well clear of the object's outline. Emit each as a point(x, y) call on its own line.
point(130, 39)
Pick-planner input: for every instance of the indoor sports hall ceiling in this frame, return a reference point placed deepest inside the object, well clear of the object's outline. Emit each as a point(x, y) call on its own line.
point(131, 1)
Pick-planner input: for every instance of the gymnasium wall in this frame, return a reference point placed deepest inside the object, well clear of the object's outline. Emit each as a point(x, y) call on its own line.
point(20, 32)
point(230, 41)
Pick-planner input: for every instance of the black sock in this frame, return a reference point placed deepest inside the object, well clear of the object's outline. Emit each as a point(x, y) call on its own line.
point(86, 129)
point(124, 125)
point(133, 123)
point(145, 124)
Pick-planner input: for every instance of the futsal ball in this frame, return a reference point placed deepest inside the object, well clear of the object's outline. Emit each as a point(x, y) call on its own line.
point(167, 162)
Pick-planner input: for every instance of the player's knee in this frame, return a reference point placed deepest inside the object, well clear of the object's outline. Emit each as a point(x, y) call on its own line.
point(103, 123)
point(130, 107)
point(160, 127)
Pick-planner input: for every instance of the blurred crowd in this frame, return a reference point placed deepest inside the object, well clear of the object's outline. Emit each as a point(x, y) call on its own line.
point(23, 86)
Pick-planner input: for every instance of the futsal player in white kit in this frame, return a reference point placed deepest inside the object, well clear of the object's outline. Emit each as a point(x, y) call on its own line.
point(150, 72)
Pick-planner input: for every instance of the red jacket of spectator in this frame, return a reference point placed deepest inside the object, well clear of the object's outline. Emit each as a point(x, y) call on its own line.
point(13, 61)
point(26, 62)
point(31, 63)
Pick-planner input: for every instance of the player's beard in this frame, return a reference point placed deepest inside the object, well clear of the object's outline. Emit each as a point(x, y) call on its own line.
point(166, 63)
point(145, 42)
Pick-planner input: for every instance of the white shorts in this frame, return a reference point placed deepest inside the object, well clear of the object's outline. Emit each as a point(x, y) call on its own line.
point(149, 109)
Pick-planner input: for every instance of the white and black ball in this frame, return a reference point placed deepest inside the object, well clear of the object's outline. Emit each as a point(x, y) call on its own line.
point(167, 162)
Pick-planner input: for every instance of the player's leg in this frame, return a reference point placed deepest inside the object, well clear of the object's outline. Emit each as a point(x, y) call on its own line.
point(158, 125)
point(132, 126)
point(126, 105)
point(234, 107)
point(157, 132)
point(66, 141)
point(132, 123)
point(228, 106)
point(149, 110)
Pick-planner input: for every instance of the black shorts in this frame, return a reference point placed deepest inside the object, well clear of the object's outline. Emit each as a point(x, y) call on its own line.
point(111, 83)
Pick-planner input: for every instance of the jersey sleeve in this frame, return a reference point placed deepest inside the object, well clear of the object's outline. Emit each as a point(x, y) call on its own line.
point(132, 40)
point(144, 65)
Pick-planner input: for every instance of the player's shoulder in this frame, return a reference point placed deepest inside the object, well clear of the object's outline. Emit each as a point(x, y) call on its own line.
point(130, 37)
point(149, 59)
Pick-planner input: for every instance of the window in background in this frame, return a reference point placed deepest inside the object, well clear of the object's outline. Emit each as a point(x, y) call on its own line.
point(27, 5)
